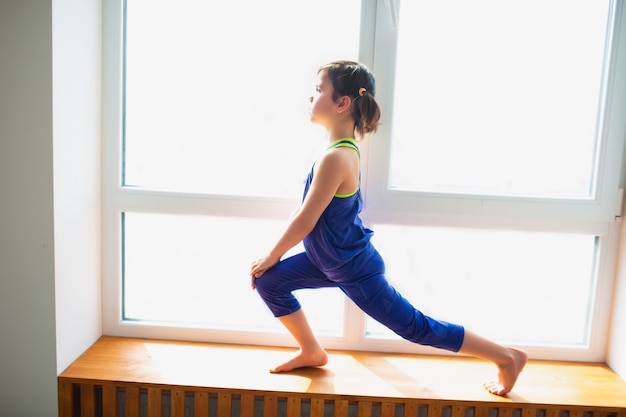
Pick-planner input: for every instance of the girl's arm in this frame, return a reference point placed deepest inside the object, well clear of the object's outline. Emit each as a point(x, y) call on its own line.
point(330, 172)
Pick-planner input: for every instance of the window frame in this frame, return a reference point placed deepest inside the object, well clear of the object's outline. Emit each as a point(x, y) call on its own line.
point(377, 50)
point(599, 208)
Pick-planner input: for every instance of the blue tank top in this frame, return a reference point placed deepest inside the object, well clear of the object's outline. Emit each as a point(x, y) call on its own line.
point(339, 234)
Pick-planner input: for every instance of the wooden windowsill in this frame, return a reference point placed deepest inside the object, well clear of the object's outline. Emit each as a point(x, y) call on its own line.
point(376, 375)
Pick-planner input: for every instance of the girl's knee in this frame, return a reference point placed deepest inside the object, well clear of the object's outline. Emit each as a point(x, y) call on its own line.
point(263, 283)
point(270, 285)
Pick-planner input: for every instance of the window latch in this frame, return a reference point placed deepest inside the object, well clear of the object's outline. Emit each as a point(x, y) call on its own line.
point(619, 207)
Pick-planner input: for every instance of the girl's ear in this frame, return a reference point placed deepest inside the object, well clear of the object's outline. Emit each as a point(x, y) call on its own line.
point(343, 104)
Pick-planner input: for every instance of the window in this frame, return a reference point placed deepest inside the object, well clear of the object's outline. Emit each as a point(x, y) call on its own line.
point(221, 95)
point(494, 174)
point(193, 270)
point(489, 278)
point(493, 98)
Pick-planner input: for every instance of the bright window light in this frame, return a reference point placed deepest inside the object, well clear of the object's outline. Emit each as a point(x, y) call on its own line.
point(516, 287)
point(499, 98)
point(217, 92)
point(194, 271)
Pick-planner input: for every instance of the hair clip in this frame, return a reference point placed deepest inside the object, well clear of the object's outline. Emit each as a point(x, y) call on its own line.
point(361, 91)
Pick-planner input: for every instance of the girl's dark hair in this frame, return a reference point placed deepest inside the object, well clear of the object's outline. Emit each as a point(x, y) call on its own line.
point(356, 81)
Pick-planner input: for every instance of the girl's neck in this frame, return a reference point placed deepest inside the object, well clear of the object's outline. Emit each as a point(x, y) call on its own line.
point(340, 133)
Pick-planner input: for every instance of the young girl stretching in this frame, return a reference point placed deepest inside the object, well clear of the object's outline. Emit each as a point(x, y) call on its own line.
point(338, 252)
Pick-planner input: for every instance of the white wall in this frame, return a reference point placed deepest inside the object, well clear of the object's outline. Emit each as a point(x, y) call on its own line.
point(76, 83)
point(49, 201)
point(27, 316)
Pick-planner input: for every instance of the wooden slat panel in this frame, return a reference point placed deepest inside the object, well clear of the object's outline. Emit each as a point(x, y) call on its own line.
point(293, 406)
point(87, 400)
point(224, 405)
point(66, 399)
point(270, 406)
point(317, 407)
point(200, 404)
point(247, 405)
point(458, 411)
point(177, 403)
point(341, 408)
point(552, 412)
point(132, 400)
point(109, 400)
point(505, 412)
point(154, 402)
point(387, 409)
point(411, 409)
point(481, 412)
point(434, 410)
point(365, 409)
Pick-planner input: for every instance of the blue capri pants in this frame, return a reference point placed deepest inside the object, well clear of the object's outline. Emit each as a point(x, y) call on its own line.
point(363, 281)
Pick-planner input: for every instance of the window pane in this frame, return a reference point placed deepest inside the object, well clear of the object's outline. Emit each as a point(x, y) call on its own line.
point(193, 270)
point(216, 93)
point(517, 287)
point(498, 98)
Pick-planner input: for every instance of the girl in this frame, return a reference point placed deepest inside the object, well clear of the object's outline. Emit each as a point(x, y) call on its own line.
point(338, 252)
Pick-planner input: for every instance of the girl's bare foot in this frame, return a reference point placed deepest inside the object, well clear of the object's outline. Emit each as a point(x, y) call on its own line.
point(508, 373)
point(303, 359)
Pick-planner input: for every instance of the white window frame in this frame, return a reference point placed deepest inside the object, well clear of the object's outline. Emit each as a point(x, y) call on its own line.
point(595, 216)
point(599, 208)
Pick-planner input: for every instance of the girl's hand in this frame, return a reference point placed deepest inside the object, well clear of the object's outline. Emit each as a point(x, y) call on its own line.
point(259, 267)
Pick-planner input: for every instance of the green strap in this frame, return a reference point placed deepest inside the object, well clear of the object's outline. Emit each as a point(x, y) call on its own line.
point(344, 143)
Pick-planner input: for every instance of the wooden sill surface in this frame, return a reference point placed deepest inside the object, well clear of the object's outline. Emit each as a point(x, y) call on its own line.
point(376, 375)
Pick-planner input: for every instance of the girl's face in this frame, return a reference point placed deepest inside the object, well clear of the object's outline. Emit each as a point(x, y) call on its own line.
point(323, 107)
